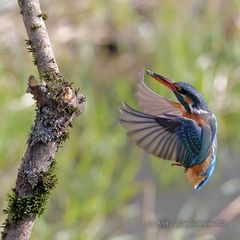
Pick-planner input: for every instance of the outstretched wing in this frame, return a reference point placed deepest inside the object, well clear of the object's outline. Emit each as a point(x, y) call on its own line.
point(154, 104)
point(169, 137)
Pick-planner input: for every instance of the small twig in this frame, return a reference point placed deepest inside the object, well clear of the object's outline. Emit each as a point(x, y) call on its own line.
point(38, 42)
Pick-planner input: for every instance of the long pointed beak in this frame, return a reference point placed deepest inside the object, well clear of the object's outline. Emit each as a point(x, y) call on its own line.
point(165, 81)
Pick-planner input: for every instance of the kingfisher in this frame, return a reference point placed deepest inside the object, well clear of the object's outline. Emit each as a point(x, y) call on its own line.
point(183, 131)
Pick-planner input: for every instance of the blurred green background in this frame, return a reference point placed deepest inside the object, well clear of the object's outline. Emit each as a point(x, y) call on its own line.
point(108, 188)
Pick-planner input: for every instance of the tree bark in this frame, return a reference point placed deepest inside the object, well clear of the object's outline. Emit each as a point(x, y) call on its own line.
point(33, 19)
point(57, 105)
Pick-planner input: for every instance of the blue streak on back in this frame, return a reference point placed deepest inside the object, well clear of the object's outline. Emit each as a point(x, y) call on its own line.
point(211, 167)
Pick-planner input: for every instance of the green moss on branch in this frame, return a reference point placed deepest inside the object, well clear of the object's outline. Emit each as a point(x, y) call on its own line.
point(21, 207)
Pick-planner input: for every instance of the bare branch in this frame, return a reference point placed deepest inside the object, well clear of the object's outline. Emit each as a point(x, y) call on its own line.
point(33, 19)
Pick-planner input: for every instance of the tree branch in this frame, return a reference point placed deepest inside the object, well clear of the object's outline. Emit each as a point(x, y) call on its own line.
point(33, 19)
point(57, 105)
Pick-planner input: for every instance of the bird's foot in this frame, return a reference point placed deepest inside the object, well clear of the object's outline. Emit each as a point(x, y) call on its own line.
point(177, 164)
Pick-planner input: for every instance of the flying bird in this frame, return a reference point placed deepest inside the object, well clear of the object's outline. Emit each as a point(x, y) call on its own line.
point(182, 131)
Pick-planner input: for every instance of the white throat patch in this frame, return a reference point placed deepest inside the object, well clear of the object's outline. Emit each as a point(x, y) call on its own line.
point(197, 111)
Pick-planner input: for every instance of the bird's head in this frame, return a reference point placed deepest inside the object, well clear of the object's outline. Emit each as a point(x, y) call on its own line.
point(186, 94)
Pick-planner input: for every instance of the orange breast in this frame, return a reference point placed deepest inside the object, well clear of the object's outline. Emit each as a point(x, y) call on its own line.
point(195, 173)
point(195, 117)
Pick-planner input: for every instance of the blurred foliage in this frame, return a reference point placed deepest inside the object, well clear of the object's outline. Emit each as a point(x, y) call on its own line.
point(101, 46)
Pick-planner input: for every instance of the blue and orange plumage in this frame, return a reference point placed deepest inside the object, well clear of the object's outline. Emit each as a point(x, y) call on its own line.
point(184, 131)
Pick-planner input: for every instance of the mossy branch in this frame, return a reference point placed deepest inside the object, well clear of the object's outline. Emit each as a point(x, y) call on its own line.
point(57, 105)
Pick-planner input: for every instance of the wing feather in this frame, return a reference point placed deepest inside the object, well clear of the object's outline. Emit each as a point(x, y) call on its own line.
point(169, 137)
point(154, 104)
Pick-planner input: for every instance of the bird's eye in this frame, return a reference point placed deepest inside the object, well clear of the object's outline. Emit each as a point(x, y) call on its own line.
point(179, 88)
